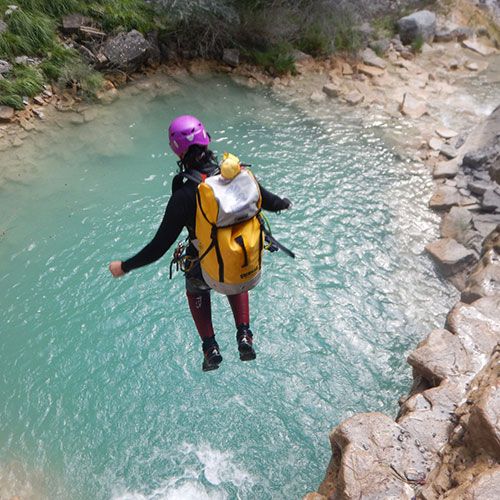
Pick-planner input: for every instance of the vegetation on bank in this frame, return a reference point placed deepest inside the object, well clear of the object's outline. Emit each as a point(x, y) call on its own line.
point(265, 31)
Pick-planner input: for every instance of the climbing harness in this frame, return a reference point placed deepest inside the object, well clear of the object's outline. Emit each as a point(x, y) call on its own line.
point(181, 260)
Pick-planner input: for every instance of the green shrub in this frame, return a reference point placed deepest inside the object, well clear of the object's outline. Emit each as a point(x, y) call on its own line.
point(277, 60)
point(315, 41)
point(417, 44)
point(78, 73)
point(23, 81)
point(385, 26)
point(346, 35)
point(58, 58)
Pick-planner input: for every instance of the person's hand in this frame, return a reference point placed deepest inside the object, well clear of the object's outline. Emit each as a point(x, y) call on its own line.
point(116, 268)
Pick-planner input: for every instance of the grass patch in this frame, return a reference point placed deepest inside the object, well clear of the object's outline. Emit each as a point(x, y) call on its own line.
point(115, 15)
point(277, 60)
point(385, 26)
point(417, 44)
point(23, 81)
point(315, 42)
point(347, 37)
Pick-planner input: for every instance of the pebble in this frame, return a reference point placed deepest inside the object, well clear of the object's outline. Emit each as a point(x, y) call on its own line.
point(446, 133)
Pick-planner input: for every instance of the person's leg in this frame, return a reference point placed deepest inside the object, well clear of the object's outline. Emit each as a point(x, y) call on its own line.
point(241, 312)
point(199, 300)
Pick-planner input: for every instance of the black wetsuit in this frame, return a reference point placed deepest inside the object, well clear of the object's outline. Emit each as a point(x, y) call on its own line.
point(180, 213)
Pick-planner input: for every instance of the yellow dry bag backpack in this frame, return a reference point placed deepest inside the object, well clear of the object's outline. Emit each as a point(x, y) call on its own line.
point(228, 229)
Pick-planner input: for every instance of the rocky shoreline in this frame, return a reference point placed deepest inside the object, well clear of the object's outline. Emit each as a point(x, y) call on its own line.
point(445, 441)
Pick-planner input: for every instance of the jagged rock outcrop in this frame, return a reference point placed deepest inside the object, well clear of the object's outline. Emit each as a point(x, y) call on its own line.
point(375, 457)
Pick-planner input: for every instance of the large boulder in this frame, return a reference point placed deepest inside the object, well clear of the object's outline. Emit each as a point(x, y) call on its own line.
point(457, 224)
point(484, 281)
point(450, 256)
point(127, 51)
point(444, 198)
point(419, 25)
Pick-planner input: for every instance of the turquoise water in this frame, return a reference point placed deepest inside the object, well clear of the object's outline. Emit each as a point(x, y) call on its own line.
point(101, 390)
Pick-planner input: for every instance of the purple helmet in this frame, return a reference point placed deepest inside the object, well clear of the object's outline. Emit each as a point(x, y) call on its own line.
point(185, 131)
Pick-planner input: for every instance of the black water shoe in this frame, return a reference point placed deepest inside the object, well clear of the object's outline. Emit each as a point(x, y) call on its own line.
point(245, 340)
point(211, 355)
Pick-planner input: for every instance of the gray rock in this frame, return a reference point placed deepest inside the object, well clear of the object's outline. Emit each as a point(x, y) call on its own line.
point(6, 113)
point(494, 170)
point(127, 51)
point(479, 158)
point(491, 201)
point(331, 90)
point(457, 224)
point(444, 198)
point(440, 356)
point(371, 59)
point(462, 33)
point(450, 256)
point(478, 324)
point(299, 56)
point(483, 429)
point(380, 46)
point(484, 280)
point(27, 61)
point(478, 187)
point(87, 54)
point(421, 24)
point(449, 151)
point(485, 223)
point(231, 57)
point(367, 451)
point(449, 35)
point(3, 26)
point(5, 67)
point(444, 35)
point(71, 23)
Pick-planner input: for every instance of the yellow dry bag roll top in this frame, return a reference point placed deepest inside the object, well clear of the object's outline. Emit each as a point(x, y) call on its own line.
point(228, 229)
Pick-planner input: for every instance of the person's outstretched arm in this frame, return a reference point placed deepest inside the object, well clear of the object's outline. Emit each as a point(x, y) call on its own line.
point(272, 202)
point(170, 228)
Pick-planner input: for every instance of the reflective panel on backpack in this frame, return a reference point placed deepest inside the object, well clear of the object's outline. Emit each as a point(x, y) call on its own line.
point(229, 232)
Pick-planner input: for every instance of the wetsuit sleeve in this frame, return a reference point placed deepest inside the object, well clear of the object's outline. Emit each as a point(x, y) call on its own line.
point(272, 202)
point(170, 228)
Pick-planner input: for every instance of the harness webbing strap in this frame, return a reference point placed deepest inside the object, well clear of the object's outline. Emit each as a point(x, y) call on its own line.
point(241, 243)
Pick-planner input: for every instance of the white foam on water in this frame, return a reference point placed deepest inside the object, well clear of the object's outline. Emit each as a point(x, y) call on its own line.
point(202, 464)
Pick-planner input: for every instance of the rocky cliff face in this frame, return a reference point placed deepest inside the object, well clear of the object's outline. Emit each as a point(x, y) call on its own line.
point(445, 441)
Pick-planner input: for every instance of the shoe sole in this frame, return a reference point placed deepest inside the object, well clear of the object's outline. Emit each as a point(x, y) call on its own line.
point(248, 356)
point(208, 368)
